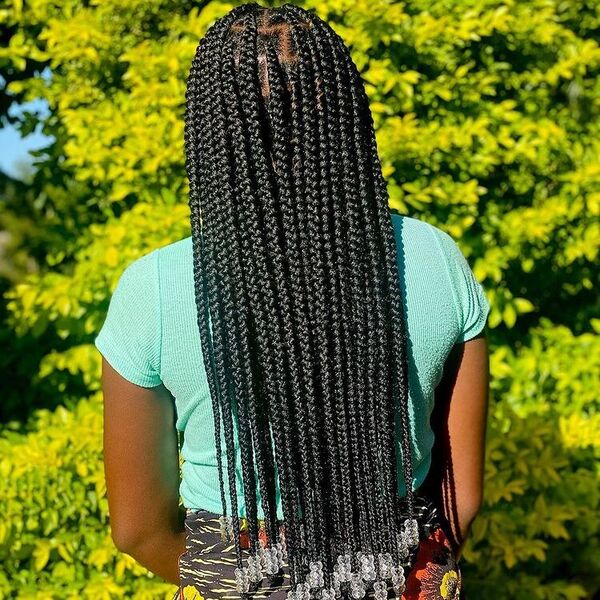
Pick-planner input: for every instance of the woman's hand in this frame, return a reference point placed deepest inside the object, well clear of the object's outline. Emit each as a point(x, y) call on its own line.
point(141, 463)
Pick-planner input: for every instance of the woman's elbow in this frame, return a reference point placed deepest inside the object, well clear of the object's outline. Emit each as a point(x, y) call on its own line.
point(123, 541)
point(470, 509)
point(126, 536)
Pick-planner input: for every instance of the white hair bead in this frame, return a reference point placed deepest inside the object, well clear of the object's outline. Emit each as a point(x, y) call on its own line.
point(367, 567)
point(357, 586)
point(242, 581)
point(316, 578)
point(303, 591)
point(398, 580)
point(328, 593)
point(226, 527)
point(402, 545)
point(380, 589)
point(254, 569)
point(411, 528)
point(385, 563)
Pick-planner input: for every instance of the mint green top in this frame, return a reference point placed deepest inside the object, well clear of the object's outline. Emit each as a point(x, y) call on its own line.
point(150, 336)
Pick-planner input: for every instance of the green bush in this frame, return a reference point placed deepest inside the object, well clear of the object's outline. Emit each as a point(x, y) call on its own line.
point(55, 540)
point(487, 126)
point(537, 535)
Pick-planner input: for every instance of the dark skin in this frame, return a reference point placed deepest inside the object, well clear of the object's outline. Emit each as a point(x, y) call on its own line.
point(142, 465)
point(459, 421)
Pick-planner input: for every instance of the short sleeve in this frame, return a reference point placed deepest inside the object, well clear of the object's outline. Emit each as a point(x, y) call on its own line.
point(130, 337)
point(471, 302)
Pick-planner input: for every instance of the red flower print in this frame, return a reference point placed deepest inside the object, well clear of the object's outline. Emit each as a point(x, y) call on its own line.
point(244, 540)
point(435, 574)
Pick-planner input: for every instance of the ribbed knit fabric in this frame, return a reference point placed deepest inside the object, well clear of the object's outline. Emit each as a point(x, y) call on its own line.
point(150, 336)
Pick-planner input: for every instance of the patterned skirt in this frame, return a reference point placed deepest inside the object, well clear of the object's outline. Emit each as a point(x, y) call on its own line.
point(206, 568)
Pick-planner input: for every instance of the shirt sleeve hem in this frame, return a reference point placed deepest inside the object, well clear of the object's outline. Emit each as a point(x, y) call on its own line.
point(124, 366)
point(476, 327)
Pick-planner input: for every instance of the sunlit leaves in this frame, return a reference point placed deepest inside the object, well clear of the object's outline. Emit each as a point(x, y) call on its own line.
point(487, 126)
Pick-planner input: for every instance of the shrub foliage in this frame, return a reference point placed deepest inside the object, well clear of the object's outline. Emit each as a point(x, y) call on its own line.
point(487, 126)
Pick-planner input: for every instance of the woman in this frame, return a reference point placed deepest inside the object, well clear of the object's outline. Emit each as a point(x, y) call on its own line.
point(304, 331)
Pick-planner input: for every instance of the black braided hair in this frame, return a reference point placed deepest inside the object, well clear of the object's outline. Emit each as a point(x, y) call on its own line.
point(296, 283)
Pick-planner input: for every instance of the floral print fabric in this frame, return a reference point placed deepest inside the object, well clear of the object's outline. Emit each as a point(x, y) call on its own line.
point(207, 567)
point(435, 574)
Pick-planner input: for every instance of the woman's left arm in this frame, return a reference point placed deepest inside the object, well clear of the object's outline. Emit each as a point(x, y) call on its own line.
point(141, 466)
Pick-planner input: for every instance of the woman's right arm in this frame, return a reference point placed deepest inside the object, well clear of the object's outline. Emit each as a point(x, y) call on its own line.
point(462, 409)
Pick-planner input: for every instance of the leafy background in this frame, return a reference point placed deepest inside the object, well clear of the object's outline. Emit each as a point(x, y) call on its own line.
point(487, 125)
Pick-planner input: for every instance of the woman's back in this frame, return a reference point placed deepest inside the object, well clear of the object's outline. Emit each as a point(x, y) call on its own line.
point(151, 336)
point(298, 314)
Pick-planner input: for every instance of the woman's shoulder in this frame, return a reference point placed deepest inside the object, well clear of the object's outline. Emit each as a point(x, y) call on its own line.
point(175, 256)
point(176, 248)
point(411, 225)
point(411, 232)
point(414, 232)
